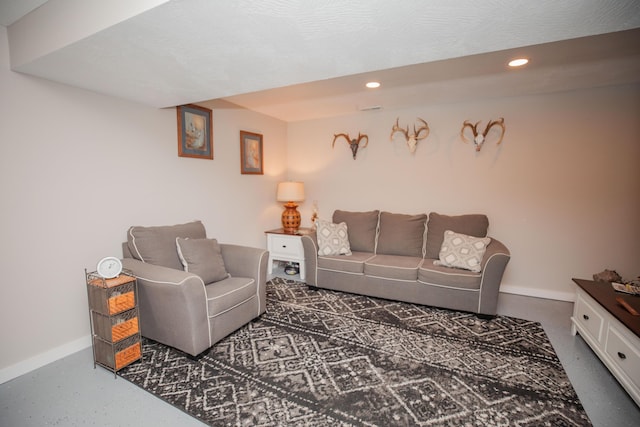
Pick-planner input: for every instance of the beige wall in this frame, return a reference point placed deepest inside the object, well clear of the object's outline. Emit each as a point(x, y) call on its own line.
point(78, 168)
point(562, 191)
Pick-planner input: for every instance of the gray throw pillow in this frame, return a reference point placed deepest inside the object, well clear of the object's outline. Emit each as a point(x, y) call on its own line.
point(401, 234)
point(362, 228)
point(157, 245)
point(475, 225)
point(203, 258)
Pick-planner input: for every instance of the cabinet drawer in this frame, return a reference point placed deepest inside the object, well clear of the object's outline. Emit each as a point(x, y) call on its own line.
point(113, 300)
point(115, 328)
point(589, 317)
point(120, 354)
point(284, 245)
point(624, 353)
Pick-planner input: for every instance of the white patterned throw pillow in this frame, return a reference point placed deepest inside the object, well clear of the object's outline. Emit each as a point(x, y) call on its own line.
point(333, 239)
point(462, 251)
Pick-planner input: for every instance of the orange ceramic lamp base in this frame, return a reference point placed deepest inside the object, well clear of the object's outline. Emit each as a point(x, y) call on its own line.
point(290, 218)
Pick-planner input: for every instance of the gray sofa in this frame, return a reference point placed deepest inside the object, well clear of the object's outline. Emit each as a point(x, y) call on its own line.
point(396, 256)
point(222, 289)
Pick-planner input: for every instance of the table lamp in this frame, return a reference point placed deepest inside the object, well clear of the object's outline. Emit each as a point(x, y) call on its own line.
point(290, 192)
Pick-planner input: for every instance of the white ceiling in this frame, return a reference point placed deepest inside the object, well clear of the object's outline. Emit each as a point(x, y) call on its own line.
point(12, 10)
point(303, 59)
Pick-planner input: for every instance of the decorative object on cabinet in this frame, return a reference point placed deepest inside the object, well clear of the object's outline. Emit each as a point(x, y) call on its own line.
point(195, 132)
point(611, 330)
point(285, 246)
point(314, 216)
point(479, 138)
point(354, 144)
point(412, 139)
point(113, 313)
point(607, 276)
point(292, 268)
point(109, 267)
point(290, 192)
point(251, 159)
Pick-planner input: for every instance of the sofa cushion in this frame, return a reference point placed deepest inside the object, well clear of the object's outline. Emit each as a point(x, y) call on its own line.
point(157, 245)
point(362, 228)
point(203, 258)
point(475, 225)
point(446, 277)
point(393, 267)
point(401, 234)
point(333, 239)
point(462, 251)
point(353, 264)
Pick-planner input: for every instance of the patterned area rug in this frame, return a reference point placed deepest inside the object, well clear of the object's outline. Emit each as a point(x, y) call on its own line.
point(318, 358)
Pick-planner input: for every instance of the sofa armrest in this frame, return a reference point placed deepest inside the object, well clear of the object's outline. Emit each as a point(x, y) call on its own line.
point(173, 306)
point(494, 264)
point(310, 248)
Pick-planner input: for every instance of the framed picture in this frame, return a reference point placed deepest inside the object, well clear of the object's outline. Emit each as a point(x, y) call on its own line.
point(195, 132)
point(250, 153)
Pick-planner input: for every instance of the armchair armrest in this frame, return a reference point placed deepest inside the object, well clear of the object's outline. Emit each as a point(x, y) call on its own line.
point(245, 261)
point(493, 265)
point(173, 306)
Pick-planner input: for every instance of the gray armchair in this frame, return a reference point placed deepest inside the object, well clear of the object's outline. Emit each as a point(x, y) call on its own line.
point(177, 307)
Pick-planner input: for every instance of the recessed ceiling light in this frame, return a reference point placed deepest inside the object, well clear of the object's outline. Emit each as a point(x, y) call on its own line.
point(373, 85)
point(518, 62)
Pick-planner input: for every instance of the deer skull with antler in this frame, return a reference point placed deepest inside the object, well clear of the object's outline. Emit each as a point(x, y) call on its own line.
point(354, 144)
point(479, 138)
point(412, 140)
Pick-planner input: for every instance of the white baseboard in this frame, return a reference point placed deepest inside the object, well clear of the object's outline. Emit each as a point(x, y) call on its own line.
point(538, 293)
point(42, 359)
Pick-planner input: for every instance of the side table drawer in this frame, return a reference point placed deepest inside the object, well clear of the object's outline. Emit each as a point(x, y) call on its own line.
point(625, 354)
point(589, 318)
point(110, 301)
point(116, 328)
point(120, 354)
point(283, 245)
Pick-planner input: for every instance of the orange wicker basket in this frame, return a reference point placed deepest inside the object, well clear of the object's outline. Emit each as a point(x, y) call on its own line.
point(118, 355)
point(111, 300)
point(116, 328)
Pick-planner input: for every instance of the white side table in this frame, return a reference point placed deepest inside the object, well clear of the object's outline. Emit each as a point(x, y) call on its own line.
point(286, 247)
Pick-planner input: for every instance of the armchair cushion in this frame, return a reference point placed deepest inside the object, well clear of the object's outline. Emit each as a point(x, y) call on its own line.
point(157, 245)
point(202, 257)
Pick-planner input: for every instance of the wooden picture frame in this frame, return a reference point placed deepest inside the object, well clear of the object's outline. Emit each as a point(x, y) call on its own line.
point(195, 132)
point(251, 157)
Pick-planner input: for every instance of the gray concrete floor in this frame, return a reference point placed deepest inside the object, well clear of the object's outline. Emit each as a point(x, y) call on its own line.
point(69, 392)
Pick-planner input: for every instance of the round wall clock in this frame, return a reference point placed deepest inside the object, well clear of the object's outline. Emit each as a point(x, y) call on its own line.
point(109, 267)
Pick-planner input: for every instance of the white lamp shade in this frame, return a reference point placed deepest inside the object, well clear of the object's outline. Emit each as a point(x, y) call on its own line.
point(290, 191)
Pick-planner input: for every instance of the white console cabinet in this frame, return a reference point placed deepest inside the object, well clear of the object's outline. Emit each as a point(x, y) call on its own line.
point(596, 316)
